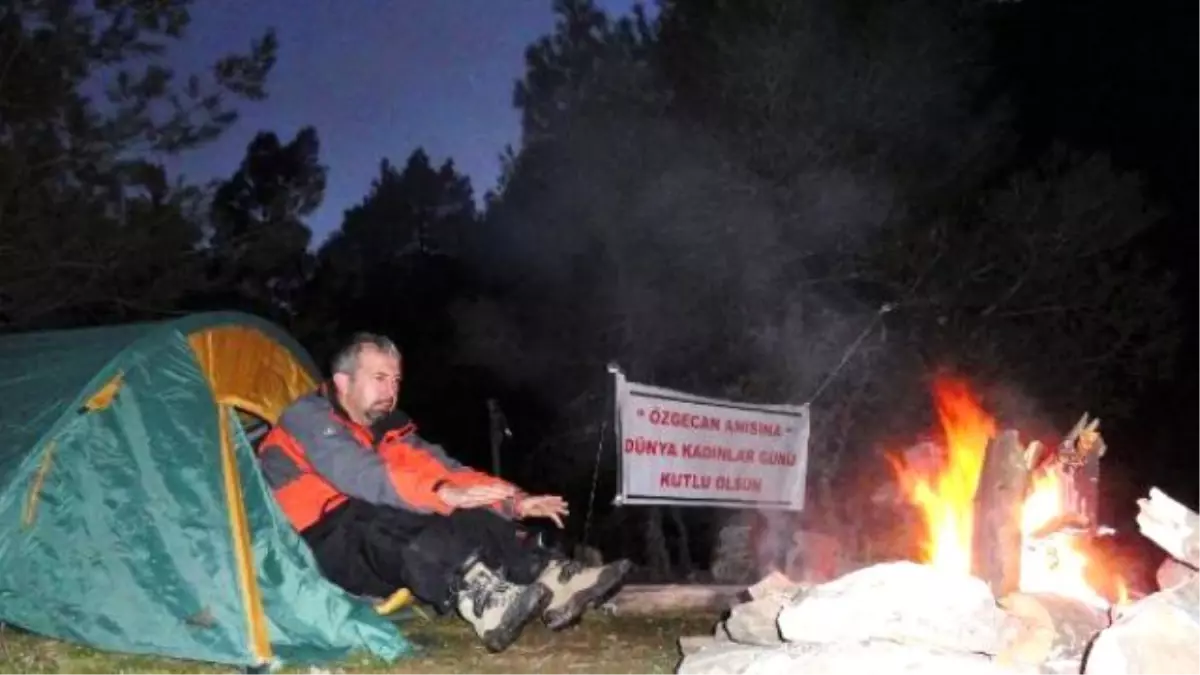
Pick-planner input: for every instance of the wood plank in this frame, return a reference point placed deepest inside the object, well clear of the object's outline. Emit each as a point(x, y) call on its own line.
point(645, 599)
point(999, 496)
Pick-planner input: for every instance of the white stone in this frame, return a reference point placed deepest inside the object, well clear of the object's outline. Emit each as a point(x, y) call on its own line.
point(1158, 634)
point(903, 602)
point(756, 622)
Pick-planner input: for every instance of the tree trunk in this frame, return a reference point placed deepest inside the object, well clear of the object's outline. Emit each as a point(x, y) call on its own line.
point(657, 556)
point(683, 543)
point(1003, 484)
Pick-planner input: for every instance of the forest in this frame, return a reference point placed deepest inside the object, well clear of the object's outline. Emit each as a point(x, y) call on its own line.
point(762, 200)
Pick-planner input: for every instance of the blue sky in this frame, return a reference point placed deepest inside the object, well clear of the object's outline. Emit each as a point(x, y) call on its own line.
point(377, 78)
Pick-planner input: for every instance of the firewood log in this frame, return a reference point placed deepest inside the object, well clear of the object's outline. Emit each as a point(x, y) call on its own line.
point(999, 496)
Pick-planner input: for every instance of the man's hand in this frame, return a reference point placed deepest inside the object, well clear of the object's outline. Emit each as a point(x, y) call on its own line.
point(543, 506)
point(474, 497)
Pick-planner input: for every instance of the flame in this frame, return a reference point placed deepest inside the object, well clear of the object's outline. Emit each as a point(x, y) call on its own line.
point(1057, 565)
point(1121, 591)
point(944, 495)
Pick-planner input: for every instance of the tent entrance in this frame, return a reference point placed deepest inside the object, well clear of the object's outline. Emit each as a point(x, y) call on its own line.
point(253, 427)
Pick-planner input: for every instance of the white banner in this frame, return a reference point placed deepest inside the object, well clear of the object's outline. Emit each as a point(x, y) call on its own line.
point(677, 448)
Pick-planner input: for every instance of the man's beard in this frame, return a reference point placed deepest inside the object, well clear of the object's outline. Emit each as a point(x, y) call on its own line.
point(377, 412)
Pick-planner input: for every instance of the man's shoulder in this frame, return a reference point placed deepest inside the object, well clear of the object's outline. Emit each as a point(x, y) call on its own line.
point(306, 408)
point(313, 420)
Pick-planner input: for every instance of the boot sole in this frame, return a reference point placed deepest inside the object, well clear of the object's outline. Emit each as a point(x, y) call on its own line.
point(589, 597)
point(532, 602)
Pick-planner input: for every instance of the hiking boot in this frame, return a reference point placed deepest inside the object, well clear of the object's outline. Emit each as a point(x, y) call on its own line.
point(495, 608)
point(575, 588)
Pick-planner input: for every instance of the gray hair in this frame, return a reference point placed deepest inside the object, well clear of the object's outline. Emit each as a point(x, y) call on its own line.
point(346, 359)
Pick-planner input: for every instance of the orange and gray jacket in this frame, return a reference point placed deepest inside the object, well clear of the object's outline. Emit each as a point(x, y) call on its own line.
point(316, 457)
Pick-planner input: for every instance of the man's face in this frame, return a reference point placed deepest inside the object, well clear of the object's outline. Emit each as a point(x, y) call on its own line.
point(371, 392)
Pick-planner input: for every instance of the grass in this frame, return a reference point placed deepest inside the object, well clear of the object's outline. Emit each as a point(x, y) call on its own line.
point(600, 644)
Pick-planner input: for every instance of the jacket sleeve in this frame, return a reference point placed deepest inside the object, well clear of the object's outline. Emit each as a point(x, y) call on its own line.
point(408, 448)
point(355, 469)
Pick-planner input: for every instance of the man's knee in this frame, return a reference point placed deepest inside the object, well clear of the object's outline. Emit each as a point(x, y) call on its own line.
point(481, 518)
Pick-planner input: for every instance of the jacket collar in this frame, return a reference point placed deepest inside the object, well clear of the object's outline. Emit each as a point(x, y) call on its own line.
point(396, 420)
point(327, 392)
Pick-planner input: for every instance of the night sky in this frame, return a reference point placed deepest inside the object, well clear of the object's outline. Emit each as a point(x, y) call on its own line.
point(376, 81)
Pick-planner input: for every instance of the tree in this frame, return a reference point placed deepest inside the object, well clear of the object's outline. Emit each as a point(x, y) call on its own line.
point(402, 236)
point(88, 218)
point(259, 243)
point(393, 268)
point(588, 58)
point(727, 208)
point(1043, 288)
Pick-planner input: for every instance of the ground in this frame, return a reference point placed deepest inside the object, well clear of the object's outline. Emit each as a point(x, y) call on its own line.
point(601, 644)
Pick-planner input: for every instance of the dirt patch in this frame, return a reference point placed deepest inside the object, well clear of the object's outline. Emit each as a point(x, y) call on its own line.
point(600, 644)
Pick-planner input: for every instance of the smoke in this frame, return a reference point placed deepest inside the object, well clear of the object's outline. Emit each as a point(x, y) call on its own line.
point(655, 248)
point(736, 251)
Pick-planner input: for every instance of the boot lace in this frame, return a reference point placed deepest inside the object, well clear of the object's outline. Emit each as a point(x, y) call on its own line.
point(569, 568)
point(484, 598)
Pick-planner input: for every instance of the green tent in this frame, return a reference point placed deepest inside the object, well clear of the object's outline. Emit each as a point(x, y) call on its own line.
point(133, 517)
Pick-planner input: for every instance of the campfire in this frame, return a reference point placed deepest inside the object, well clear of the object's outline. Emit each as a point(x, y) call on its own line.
point(1005, 579)
point(1050, 493)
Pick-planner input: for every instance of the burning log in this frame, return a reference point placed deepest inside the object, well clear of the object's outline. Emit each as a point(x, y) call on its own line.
point(1048, 631)
point(999, 497)
point(1009, 476)
point(1077, 462)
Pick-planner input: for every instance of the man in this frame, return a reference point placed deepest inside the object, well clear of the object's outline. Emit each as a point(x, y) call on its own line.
point(382, 508)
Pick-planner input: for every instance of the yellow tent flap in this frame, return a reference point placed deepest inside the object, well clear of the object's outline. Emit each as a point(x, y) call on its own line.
point(247, 370)
point(250, 371)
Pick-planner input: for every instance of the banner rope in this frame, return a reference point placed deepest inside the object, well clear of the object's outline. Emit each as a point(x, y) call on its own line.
point(884, 309)
point(879, 314)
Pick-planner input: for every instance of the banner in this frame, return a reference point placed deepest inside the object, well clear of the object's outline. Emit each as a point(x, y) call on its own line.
point(677, 448)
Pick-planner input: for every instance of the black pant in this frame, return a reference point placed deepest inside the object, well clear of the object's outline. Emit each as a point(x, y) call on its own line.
point(374, 550)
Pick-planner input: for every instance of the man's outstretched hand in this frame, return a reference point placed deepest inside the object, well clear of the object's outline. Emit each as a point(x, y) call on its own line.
point(543, 506)
point(538, 506)
point(474, 497)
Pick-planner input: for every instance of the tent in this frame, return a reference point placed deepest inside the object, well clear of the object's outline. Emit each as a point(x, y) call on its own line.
point(133, 517)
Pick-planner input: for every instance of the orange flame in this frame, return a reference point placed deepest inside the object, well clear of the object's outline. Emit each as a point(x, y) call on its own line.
point(1057, 567)
point(945, 498)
